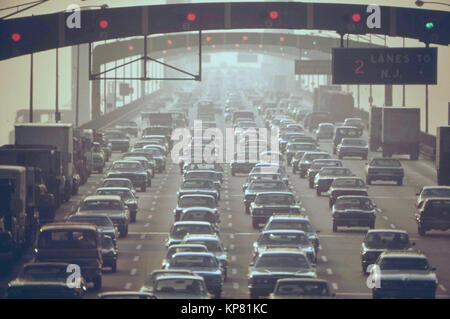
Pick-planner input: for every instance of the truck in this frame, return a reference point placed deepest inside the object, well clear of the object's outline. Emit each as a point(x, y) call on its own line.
point(339, 104)
point(319, 91)
point(43, 159)
point(59, 135)
point(443, 155)
point(156, 118)
point(19, 214)
point(375, 128)
point(400, 132)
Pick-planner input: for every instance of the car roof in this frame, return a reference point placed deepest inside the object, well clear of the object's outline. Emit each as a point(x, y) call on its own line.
point(89, 215)
point(275, 193)
point(205, 237)
point(113, 189)
point(283, 231)
point(436, 187)
point(193, 277)
point(197, 195)
point(191, 223)
point(102, 197)
point(198, 208)
point(117, 179)
point(68, 226)
point(353, 196)
point(430, 199)
point(201, 170)
point(403, 254)
point(296, 279)
point(175, 246)
point(289, 217)
point(372, 231)
point(45, 264)
point(126, 161)
point(282, 250)
point(194, 253)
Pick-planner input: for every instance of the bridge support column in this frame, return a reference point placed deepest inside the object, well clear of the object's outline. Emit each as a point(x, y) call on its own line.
point(82, 63)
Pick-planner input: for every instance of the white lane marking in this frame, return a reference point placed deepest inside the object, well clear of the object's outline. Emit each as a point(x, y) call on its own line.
point(138, 247)
point(227, 197)
point(128, 286)
point(329, 271)
point(229, 216)
point(136, 258)
point(335, 286)
point(442, 288)
point(143, 236)
point(231, 236)
point(153, 203)
point(147, 225)
point(236, 286)
point(234, 271)
point(133, 271)
point(385, 218)
point(232, 247)
point(233, 258)
point(152, 209)
point(324, 259)
point(228, 208)
point(149, 216)
point(230, 225)
point(392, 226)
point(320, 247)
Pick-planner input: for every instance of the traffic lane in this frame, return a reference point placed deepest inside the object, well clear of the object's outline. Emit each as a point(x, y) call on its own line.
point(397, 204)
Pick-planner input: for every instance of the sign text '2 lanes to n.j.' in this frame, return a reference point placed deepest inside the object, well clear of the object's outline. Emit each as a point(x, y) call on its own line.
point(384, 66)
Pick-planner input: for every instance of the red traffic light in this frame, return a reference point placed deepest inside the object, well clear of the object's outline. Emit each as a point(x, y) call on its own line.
point(356, 17)
point(16, 37)
point(188, 48)
point(103, 24)
point(169, 42)
point(130, 48)
point(208, 39)
point(273, 14)
point(191, 17)
point(281, 39)
point(245, 38)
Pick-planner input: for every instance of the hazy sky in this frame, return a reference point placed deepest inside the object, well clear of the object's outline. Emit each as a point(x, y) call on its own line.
point(14, 73)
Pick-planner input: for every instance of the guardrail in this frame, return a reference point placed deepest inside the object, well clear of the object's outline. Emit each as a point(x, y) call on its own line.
point(119, 113)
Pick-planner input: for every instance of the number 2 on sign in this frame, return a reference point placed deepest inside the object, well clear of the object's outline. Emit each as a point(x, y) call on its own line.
point(360, 65)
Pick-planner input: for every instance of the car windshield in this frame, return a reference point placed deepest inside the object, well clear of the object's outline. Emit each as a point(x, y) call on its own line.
point(205, 175)
point(328, 171)
point(387, 240)
point(436, 192)
point(275, 199)
point(213, 246)
point(179, 231)
point(408, 263)
point(438, 209)
point(386, 162)
point(117, 183)
point(197, 201)
point(67, 239)
point(101, 221)
point(320, 164)
point(102, 205)
point(124, 194)
point(312, 289)
point(267, 186)
point(284, 261)
point(265, 177)
point(311, 157)
point(199, 216)
point(127, 166)
point(153, 151)
point(44, 273)
point(283, 239)
point(298, 147)
point(303, 225)
point(349, 182)
point(179, 286)
point(198, 184)
point(353, 203)
point(355, 142)
point(191, 261)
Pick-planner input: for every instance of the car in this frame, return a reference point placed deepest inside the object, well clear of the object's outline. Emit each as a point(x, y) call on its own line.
point(119, 140)
point(119, 182)
point(434, 213)
point(98, 157)
point(384, 169)
point(353, 211)
point(74, 243)
point(180, 229)
point(285, 238)
point(241, 167)
point(325, 131)
point(356, 122)
point(104, 224)
point(352, 147)
point(180, 287)
point(151, 279)
point(291, 222)
point(305, 163)
point(404, 274)
point(204, 264)
point(129, 127)
point(272, 157)
point(194, 200)
point(432, 191)
point(261, 185)
point(263, 175)
point(318, 164)
point(267, 204)
point(127, 197)
point(45, 280)
point(198, 186)
point(204, 174)
point(325, 177)
point(177, 248)
point(125, 295)
point(156, 162)
point(201, 214)
point(301, 288)
point(307, 147)
point(132, 170)
point(149, 165)
point(152, 144)
point(346, 186)
point(292, 148)
point(341, 132)
point(152, 153)
point(286, 137)
point(110, 252)
point(162, 150)
point(108, 205)
point(205, 166)
point(264, 167)
point(273, 264)
point(378, 241)
point(214, 245)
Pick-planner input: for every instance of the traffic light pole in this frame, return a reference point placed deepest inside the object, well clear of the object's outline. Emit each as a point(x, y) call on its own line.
point(31, 88)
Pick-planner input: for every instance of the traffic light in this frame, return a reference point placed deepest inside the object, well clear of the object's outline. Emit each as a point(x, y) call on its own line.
point(16, 37)
point(274, 14)
point(191, 17)
point(429, 25)
point(353, 23)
